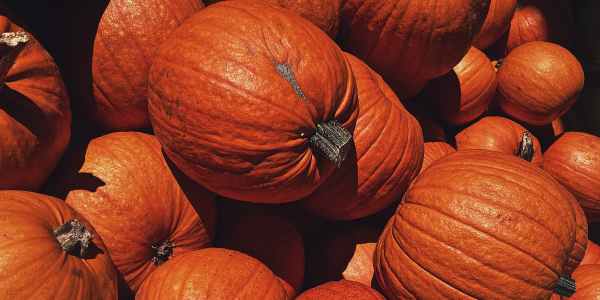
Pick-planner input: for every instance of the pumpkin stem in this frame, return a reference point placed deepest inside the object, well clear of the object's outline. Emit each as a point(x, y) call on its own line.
point(565, 286)
point(71, 234)
point(518, 6)
point(499, 63)
point(333, 140)
point(526, 149)
point(11, 45)
point(162, 252)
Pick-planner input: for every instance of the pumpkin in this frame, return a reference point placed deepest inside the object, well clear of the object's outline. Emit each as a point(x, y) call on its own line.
point(50, 251)
point(212, 273)
point(266, 234)
point(592, 254)
point(412, 41)
point(497, 134)
point(498, 19)
point(128, 37)
point(341, 290)
point(360, 266)
point(574, 161)
point(143, 206)
point(586, 43)
point(588, 283)
point(240, 101)
point(389, 152)
point(433, 151)
point(464, 93)
point(538, 82)
point(476, 224)
point(581, 239)
point(35, 116)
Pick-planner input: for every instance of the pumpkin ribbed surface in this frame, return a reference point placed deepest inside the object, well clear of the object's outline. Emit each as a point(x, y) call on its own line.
point(497, 21)
point(237, 91)
point(592, 254)
point(325, 14)
point(581, 239)
point(477, 224)
point(434, 151)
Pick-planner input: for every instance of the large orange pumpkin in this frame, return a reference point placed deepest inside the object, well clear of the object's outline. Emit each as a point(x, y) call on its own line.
point(50, 251)
point(212, 273)
point(477, 224)
point(412, 41)
point(129, 35)
point(243, 93)
point(574, 161)
point(35, 117)
point(389, 153)
point(143, 206)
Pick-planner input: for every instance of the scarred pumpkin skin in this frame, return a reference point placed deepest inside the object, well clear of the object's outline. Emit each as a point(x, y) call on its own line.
point(137, 200)
point(341, 290)
point(35, 117)
point(237, 91)
point(574, 161)
point(497, 21)
point(587, 278)
point(34, 266)
point(592, 254)
point(477, 224)
point(464, 93)
point(389, 152)
point(129, 35)
point(497, 134)
point(434, 151)
point(538, 82)
point(412, 41)
point(212, 273)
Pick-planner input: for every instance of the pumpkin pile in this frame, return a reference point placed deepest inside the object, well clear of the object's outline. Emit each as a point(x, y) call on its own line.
point(280, 149)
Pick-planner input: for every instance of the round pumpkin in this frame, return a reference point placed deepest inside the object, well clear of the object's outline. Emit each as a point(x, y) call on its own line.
point(412, 41)
point(370, 181)
point(212, 273)
point(477, 224)
point(497, 134)
point(240, 100)
point(574, 161)
point(35, 117)
point(434, 151)
point(464, 93)
point(42, 239)
point(341, 290)
point(592, 254)
point(143, 206)
point(587, 279)
point(538, 82)
point(496, 23)
point(266, 234)
point(129, 35)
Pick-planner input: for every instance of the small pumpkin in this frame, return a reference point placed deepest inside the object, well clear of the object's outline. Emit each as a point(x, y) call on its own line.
point(240, 101)
point(50, 251)
point(574, 161)
point(461, 222)
point(434, 151)
point(592, 254)
point(212, 273)
point(341, 290)
point(538, 82)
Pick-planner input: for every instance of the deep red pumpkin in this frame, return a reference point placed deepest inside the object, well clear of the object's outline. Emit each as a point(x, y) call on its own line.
point(35, 266)
point(389, 152)
point(238, 90)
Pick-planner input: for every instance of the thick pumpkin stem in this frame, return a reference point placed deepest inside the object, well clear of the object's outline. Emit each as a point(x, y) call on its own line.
point(162, 252)
point(71, 235)
point(499, 63)
point(11, 45)
point(526, 149)
point(333, 140)
point(565, 286)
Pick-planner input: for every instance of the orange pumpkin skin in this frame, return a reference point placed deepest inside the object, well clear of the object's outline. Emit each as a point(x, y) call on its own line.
point(341, 290)
point(266, 234)
point(128, 38)
point(538, 82)
point(497, 134)
point(325, 14)
point(497, 21)
point(389, 151)
point(581, 239)
point(411, 41)
point(574, 161)
point(587, 279)
point(464, 93)
point(360, 267)
point(212, 273)
point(35, 117)
point(454, 234)
point(434, 151)
point(229, 120)
point(592, 254)
point(30, 250)
point(136, 200)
